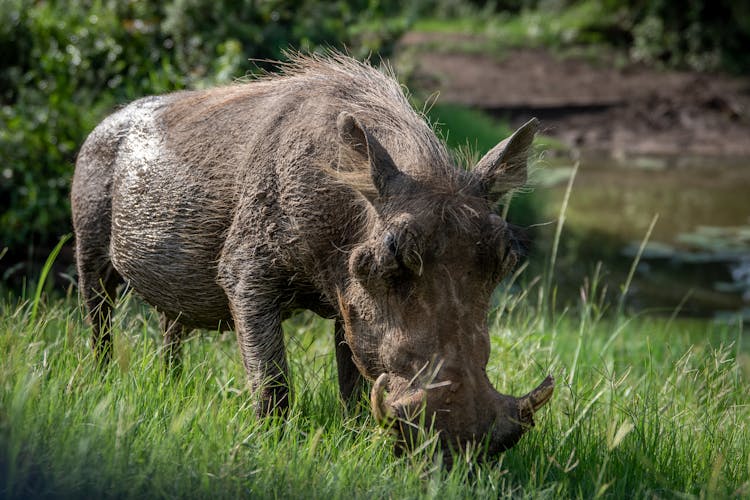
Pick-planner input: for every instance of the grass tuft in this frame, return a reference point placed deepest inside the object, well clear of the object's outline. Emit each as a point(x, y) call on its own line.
point(43, 276)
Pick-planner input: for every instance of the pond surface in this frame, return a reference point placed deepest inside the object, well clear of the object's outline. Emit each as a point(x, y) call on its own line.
point(697, 259)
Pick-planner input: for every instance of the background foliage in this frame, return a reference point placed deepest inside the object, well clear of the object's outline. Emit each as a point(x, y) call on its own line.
point(65, 64)
point(694, 34)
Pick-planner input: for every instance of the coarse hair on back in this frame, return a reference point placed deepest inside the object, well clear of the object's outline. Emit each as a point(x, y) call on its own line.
point(300, 101)
point(381, 104)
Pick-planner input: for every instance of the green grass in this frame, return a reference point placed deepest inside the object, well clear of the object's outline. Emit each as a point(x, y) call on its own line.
point(643, 407)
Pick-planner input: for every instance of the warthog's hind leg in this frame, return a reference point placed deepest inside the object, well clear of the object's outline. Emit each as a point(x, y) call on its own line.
point(174, 333)
point(98, 281)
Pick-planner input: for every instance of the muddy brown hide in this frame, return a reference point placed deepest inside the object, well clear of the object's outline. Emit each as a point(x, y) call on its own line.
point(316, 188)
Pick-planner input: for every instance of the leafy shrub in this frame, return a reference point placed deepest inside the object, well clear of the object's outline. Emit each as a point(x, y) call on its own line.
point(696, 34)
point(68, 65)
point(199, 29)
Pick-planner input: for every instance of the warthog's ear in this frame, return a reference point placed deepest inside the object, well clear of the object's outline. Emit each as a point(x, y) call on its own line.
point(367, 148)
point(504, 167)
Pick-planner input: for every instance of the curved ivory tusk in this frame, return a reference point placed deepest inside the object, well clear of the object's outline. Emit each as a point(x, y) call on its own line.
point(539, 396)
point(534, 400)
point(383, 412)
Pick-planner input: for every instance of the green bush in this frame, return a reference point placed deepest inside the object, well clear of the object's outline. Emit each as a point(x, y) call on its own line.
point(695, 34)
point(65, 64)
point(200, 29)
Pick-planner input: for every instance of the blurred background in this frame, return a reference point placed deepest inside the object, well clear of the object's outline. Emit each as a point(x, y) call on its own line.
point(644, 107)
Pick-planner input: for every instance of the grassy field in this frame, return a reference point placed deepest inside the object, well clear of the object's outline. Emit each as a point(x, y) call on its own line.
point(643, 407)
point(494, 33)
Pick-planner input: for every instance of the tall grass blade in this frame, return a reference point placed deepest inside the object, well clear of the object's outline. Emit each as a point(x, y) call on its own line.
point(558, 229)
point(506, 206)
point(634, 265)
point(579, 344)
point(43, 276)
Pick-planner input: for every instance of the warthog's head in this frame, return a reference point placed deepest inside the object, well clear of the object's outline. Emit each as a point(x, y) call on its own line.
point(416, 304)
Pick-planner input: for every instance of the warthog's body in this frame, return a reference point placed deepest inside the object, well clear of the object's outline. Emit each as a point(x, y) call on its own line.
point(320, 189)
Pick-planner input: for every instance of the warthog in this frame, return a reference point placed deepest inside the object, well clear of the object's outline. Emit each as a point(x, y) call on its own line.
point(318, 188)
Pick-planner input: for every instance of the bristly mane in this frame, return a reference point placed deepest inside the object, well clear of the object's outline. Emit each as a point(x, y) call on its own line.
point(310, 86)
point(380, 102)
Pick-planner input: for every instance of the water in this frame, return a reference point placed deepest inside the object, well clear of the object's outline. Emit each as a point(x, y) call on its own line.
point(697, 260)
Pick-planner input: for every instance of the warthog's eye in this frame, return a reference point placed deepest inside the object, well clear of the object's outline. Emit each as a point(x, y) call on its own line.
point(392, 259)
point(408, 253)
point(496, 249)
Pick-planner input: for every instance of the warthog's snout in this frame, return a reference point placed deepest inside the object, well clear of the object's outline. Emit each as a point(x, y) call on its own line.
point(461, 419)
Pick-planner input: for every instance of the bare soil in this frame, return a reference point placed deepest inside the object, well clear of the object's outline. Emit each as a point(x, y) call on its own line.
point(593, 106)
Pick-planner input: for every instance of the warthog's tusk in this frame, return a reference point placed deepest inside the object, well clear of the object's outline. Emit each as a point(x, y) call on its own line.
point(539, 396)
point(534, 400)
point(383, 412)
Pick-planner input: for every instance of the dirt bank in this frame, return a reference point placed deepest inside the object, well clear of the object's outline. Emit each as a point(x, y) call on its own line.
point(594, 106)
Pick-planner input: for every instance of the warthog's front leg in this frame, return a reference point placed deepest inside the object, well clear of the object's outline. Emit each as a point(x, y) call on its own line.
point(261, 342)
point(351, 381)
point(254, 303)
